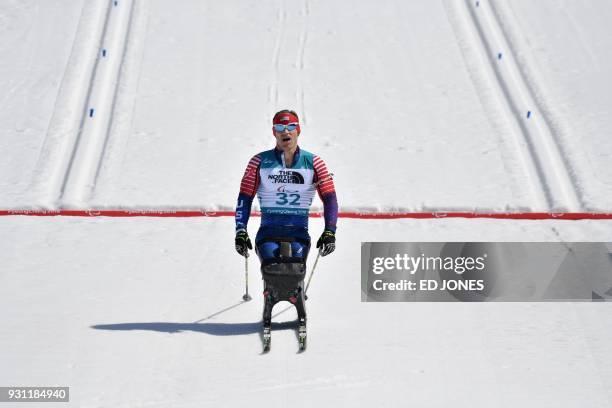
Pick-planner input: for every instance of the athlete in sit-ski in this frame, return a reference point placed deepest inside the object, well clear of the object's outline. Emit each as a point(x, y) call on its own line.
point(285, 180)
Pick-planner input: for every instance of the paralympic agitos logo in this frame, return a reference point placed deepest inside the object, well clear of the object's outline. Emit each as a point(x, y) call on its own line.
point(287, 176)
point(284, 189)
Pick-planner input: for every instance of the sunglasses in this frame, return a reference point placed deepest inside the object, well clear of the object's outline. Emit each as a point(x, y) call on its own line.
point(280, 127)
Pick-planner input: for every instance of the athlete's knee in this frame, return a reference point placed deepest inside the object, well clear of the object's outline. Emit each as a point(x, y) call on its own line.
point(267, 250)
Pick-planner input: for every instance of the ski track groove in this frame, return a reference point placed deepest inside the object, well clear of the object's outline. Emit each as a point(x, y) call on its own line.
point(51, 163)
point(531, 73)
point(128, 81)
point(107, 134)
point(489, 104)
point(280, 18)
point(85, 109)
point(485, 77)
point(80, 179)
point(559, 158)
point(543, 147)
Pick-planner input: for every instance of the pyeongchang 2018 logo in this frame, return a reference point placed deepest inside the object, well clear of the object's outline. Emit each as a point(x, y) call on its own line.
point(286, 177)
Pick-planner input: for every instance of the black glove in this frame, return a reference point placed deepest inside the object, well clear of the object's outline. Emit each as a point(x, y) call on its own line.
point(243, 243)
point(327, 242)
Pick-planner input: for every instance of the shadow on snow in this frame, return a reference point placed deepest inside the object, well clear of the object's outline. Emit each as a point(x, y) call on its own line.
point(215, 329)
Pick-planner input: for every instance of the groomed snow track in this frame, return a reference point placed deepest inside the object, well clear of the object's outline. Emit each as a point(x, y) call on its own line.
point(75, 147)
point(553, 185)
point(68, 164)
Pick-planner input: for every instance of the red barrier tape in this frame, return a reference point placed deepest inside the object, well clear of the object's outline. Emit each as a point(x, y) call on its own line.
point(342, 214)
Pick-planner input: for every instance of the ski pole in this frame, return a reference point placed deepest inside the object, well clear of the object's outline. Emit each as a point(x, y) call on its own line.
point(311, 272)
point(246, 297)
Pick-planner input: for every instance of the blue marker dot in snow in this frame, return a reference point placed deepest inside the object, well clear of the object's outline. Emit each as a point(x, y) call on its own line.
point(91, 112)
point(499, 55)
point(528, 114)
point(104, 53)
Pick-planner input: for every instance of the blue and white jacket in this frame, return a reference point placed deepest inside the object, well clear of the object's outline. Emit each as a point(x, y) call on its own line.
point(286, 192)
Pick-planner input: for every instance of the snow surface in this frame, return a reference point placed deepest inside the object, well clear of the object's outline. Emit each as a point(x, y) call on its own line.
point(411, 84)
point(36, 39)
point(141, 312)
point(411, 108)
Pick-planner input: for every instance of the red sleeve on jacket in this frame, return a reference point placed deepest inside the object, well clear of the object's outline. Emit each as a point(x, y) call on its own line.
point(250, 179)
point(325, 184)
